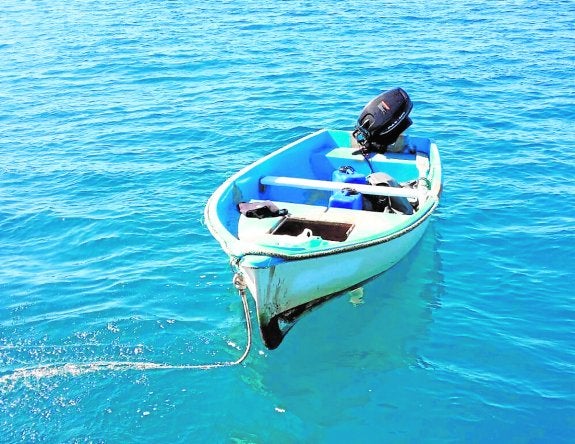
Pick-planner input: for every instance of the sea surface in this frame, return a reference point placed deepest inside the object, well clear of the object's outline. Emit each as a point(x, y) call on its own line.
point(119, 119)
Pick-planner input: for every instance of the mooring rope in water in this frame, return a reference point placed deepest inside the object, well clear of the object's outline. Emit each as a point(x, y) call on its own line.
point(49, 370)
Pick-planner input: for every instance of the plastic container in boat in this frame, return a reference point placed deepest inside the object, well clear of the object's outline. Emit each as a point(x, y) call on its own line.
point(347, 174)
point(346, 198)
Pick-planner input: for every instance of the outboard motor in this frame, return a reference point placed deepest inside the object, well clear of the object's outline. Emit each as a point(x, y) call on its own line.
point(383, 120)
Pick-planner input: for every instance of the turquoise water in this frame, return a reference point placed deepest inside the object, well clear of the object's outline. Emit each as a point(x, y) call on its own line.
point(118, 120)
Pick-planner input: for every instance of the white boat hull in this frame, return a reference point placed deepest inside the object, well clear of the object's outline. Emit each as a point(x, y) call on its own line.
point(286, 285)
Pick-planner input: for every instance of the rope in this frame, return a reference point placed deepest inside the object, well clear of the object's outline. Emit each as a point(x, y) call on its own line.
point(50, 370)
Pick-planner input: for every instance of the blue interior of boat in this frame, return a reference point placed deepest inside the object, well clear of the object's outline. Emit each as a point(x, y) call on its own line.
point(315, 157)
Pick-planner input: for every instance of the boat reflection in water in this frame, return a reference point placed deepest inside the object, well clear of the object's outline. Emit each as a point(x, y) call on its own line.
point(333, 364)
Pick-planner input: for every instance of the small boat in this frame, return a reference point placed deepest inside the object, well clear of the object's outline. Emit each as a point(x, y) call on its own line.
point(327, 212)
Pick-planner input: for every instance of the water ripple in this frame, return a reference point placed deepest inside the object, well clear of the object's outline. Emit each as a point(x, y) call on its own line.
point(119, 120)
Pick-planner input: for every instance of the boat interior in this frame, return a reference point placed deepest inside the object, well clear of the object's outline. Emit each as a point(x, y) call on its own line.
point(320, 187)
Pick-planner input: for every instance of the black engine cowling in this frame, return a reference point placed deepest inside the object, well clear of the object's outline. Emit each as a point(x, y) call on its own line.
point(382, 120)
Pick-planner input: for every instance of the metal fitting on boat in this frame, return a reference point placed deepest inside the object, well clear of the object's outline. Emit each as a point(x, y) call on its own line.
point(239, 281)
